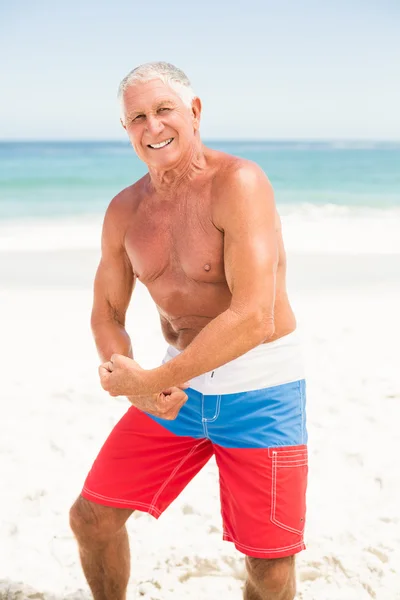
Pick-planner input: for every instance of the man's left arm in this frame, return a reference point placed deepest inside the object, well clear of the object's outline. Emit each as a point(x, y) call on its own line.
point(246, 213)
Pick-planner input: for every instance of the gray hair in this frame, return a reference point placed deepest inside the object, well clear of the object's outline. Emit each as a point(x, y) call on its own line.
point(167, 73)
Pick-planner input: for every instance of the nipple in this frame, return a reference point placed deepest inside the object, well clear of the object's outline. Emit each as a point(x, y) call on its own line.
point(207, 267)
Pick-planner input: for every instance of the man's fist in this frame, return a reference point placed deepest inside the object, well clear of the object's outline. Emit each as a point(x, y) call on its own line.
point(165, 405)
point(122, 376)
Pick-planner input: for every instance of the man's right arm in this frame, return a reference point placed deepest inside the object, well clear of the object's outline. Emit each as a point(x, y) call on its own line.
point(113, 286)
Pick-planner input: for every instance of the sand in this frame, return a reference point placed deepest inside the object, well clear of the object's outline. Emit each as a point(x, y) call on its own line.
point(55, 416)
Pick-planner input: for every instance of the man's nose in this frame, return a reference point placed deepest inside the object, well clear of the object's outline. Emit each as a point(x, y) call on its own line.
point(154, 125)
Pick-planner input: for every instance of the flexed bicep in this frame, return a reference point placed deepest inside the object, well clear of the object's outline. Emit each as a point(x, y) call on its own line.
point(113, 286)
point(114, 281)
point(247, 215)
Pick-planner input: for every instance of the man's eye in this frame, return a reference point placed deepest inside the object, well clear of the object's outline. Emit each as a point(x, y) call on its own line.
point(163, 109)
point(138, 117)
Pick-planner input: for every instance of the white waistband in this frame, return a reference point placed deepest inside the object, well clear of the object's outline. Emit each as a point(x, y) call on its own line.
point(266, 365)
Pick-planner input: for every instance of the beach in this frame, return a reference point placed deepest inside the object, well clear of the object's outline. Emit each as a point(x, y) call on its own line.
point(301, 96)
point(340, 208)
point(56, 416)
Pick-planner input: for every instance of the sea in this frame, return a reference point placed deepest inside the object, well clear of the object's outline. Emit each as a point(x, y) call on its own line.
point(332, 196)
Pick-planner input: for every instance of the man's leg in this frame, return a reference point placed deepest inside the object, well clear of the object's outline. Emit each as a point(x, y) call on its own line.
point(103, 547)
point(144, 465)
point(258, 440)
point(270, 579)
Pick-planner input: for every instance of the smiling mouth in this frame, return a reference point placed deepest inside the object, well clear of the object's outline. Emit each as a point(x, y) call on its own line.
point(161, 144)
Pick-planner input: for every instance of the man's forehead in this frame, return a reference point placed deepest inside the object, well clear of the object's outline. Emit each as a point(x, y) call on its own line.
point(152, 92)
point(134, 108)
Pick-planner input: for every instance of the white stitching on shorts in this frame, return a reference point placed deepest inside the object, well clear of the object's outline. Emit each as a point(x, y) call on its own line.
point(217, 411)
point(289, 457)
point(152, 506)
point(184, 459)
point(302, 408)
point(303, 463)
point(293, 453)
point(273, 497)
point(130, 502)
point(203, 419)
point(292, 547)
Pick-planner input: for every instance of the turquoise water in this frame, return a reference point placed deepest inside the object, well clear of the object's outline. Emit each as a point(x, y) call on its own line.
point(48, 179)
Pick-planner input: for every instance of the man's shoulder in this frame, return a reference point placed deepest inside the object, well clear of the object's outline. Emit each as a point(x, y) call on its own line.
point(235, 171)
point(124, 205)
point(128, 199)
point(240, 185)
point(121, 210)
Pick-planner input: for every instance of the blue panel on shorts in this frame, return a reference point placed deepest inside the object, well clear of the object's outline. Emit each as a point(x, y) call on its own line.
point(264, 418)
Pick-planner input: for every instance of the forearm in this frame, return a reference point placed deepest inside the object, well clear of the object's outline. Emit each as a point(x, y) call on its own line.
point(111, 338)
point(225, 338)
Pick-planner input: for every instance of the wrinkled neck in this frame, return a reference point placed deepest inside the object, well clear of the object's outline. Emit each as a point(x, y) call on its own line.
point(190, 165)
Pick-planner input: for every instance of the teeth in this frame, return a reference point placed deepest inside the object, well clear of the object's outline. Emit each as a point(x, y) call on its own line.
point(161, 144)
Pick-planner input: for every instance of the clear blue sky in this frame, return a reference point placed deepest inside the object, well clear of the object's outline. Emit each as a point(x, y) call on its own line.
point(263, 69)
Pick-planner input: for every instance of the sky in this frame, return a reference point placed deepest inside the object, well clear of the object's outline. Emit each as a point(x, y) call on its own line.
point(263, 69)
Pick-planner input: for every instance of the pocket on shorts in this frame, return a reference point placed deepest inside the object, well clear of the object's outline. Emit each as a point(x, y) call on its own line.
point(289, 485)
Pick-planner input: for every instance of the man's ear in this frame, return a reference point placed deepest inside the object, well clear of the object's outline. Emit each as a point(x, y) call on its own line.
point(196, 112)
point(123, 124)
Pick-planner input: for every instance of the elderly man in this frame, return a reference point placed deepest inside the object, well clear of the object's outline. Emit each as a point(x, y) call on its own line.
point(201, 231)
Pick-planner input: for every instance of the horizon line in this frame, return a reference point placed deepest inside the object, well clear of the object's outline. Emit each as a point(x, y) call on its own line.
point(216, 139)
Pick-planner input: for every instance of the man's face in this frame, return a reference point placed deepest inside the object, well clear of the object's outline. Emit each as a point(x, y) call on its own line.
point(160, 126)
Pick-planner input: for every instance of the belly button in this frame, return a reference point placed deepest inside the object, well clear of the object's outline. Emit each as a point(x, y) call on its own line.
point(207, 267)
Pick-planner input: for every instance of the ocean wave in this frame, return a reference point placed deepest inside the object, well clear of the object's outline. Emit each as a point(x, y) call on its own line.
point(58, 233)
point(311, 229)
point(301, 145)
point(309, 210)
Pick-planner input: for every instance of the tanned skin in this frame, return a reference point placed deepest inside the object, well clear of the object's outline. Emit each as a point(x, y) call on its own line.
point(202, 233)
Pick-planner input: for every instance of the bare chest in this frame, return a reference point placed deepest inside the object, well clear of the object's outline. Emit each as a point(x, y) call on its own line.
point(176, 243)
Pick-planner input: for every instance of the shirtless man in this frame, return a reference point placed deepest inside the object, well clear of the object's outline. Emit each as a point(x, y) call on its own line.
point(201, 232)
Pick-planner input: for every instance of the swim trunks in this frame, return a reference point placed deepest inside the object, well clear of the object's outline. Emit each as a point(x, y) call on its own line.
point(249, 414)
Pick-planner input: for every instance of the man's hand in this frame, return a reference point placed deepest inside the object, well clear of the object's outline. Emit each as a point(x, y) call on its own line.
point(165, 405)
point(122, 376)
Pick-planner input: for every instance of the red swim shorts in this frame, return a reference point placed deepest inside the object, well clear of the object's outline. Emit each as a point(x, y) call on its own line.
point(259, 441)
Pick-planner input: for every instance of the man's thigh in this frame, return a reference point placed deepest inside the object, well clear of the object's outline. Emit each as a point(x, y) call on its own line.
point(263, 499)
point(259, 440)
point(143, 465)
